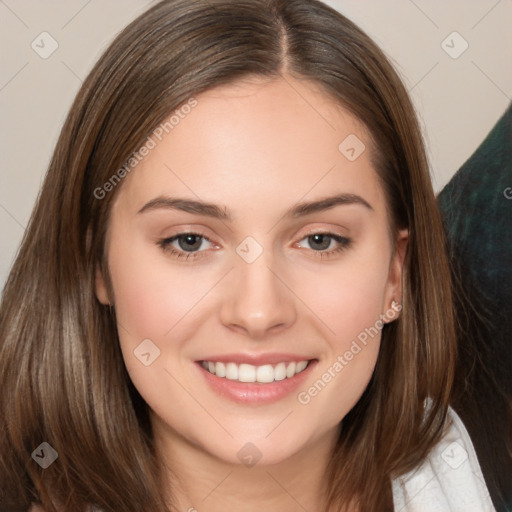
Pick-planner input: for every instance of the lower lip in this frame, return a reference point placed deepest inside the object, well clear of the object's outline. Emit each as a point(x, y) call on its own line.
point(256, 392)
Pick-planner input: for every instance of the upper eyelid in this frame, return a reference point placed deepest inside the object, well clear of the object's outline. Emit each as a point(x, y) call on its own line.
point(320, 231)
point(312, 231)
point(173, 238)
point(319, 227)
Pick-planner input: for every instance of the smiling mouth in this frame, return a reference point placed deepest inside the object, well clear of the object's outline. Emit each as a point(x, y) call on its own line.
point(248, 373)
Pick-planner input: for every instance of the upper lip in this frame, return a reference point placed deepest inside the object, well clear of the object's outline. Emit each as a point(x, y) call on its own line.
point(257, 359)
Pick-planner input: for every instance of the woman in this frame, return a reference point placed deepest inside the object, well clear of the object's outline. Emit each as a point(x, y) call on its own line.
point(233, 292)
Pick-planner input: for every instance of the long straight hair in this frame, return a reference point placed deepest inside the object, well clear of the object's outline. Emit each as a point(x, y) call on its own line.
point(62, 376)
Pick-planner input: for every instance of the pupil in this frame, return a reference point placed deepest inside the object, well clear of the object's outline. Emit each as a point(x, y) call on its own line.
point(189, 242)
point(322, 240)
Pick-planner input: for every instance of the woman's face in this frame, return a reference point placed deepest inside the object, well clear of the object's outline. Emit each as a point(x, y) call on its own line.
point(288, 259)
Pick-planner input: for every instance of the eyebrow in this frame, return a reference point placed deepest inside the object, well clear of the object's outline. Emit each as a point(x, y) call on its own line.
point(222, 213)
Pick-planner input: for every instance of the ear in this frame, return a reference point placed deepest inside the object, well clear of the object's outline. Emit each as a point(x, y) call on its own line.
point(100, 284)
point(394, 284)
point(101, 288)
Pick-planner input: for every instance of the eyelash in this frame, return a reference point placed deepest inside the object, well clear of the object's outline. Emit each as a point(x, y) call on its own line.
point(165, 244)
point(343, 244)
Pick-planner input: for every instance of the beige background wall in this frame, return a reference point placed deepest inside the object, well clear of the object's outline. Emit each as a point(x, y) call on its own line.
point(459, 92)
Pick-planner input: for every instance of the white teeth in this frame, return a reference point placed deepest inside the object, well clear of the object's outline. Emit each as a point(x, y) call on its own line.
point(290, 370)
point(246, 373)
point(265, 373)
point(280, 372)
point(231, 371)
point(249, 373)
point(220, 369)
point(300, 366)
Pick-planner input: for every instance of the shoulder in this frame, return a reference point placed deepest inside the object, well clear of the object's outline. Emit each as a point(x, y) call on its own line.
point(449, 479)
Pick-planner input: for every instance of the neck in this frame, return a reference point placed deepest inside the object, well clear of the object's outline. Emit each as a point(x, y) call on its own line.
point(199, 481)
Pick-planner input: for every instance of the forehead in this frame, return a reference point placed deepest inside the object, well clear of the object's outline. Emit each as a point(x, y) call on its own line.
point(254, 143)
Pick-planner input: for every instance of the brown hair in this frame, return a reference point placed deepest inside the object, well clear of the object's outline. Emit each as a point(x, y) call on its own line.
point(61, 371)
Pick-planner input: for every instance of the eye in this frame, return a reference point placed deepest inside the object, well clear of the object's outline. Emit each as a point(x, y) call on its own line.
point(185, 245)
point(189, 245)
point(326, 244)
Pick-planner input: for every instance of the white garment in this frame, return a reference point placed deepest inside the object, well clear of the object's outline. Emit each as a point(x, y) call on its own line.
point(449, 480)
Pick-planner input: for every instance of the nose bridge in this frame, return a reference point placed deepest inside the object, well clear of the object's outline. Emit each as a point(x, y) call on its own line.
point(257, 301)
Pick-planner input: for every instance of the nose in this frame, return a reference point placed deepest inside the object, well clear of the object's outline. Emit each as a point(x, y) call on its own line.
point(258, 300)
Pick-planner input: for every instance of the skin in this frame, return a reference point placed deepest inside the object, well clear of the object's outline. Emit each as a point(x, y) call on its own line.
point(256, 148)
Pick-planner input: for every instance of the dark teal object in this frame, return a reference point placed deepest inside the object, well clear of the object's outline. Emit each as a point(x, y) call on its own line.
point(477, 210)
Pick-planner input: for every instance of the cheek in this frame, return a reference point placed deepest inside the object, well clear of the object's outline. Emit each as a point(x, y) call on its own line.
point(347, 297)
point(151, 295)
point(155, 301)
